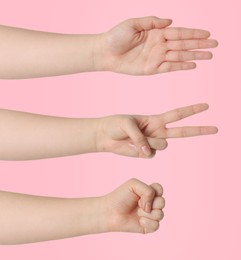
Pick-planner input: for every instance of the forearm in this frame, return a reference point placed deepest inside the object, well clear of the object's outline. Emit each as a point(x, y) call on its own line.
point(28, 219)
point(27, 53)
point(26, 136)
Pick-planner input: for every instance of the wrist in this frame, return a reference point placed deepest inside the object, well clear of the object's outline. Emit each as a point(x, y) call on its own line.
point(100, 55)
point(113, 220)
point(101, 215)
point(99, 135)
point(110, 221)
point(83, 135)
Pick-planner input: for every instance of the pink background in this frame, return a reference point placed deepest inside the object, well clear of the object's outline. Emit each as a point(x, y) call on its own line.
point(201, 176)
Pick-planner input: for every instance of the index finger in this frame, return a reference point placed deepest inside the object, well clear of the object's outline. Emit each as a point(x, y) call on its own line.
point(158, 188)
point(180, 113)
point(179, 33)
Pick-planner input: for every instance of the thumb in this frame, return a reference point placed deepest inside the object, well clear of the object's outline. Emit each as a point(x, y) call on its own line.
point(131, 128)
point(149, 22)
point(145, 192)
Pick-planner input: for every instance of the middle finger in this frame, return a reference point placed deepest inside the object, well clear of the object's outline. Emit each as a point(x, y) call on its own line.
point(191, 44)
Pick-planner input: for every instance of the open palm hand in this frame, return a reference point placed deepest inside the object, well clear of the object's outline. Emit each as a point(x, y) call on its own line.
point(146, 46)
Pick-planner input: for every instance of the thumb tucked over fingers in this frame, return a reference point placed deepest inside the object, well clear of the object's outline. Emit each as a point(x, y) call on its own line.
point(137, 137)
point(145, 192)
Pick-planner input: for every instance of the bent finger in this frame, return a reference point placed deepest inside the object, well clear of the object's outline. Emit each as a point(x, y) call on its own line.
point(149, 225)
point(157, 143)
point(145, 192)
point(158, 203)
point(158, 188)
point(139, 140)
point(155, 214)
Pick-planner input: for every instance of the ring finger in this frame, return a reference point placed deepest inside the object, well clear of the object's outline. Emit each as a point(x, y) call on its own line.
point(188, 55)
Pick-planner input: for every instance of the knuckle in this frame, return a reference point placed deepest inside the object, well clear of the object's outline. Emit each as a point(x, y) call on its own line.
point(194, 55)
point(143, 222)
point(140, 139)
point(164, 144)
point(162, 215)
point(200, 44)
point(158, 187)
point(182, 45)
point(168, 55)
point(180, 56)
point(150, 192)
point(179, 114)
point(184, 132)
point(129, 119)
point(155, 227)
point(154, 17)
point(158, 215)
point(149, 70)
point(133, 181)
point(194, 33)
point(180, 33)
point(163, 202)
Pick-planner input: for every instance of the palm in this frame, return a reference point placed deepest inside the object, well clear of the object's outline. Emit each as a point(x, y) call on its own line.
point(141, 47)
point(139, 53)
point(124, 211)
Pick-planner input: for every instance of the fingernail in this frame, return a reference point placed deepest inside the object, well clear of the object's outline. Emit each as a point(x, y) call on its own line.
point(146, 150)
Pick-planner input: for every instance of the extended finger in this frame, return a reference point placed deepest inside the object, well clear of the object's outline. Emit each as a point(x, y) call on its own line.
point(169, 66)
point(179, 33)
point(156, 214)
point(188, 55)
point(188, 131)
point(191, 44)
point(180, 113)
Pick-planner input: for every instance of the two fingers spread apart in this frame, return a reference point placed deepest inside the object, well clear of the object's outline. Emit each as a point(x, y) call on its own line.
point(156, 141)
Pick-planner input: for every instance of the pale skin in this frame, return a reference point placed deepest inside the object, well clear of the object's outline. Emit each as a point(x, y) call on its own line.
point(133, 207)
point(138, 46)
point(26, 136)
